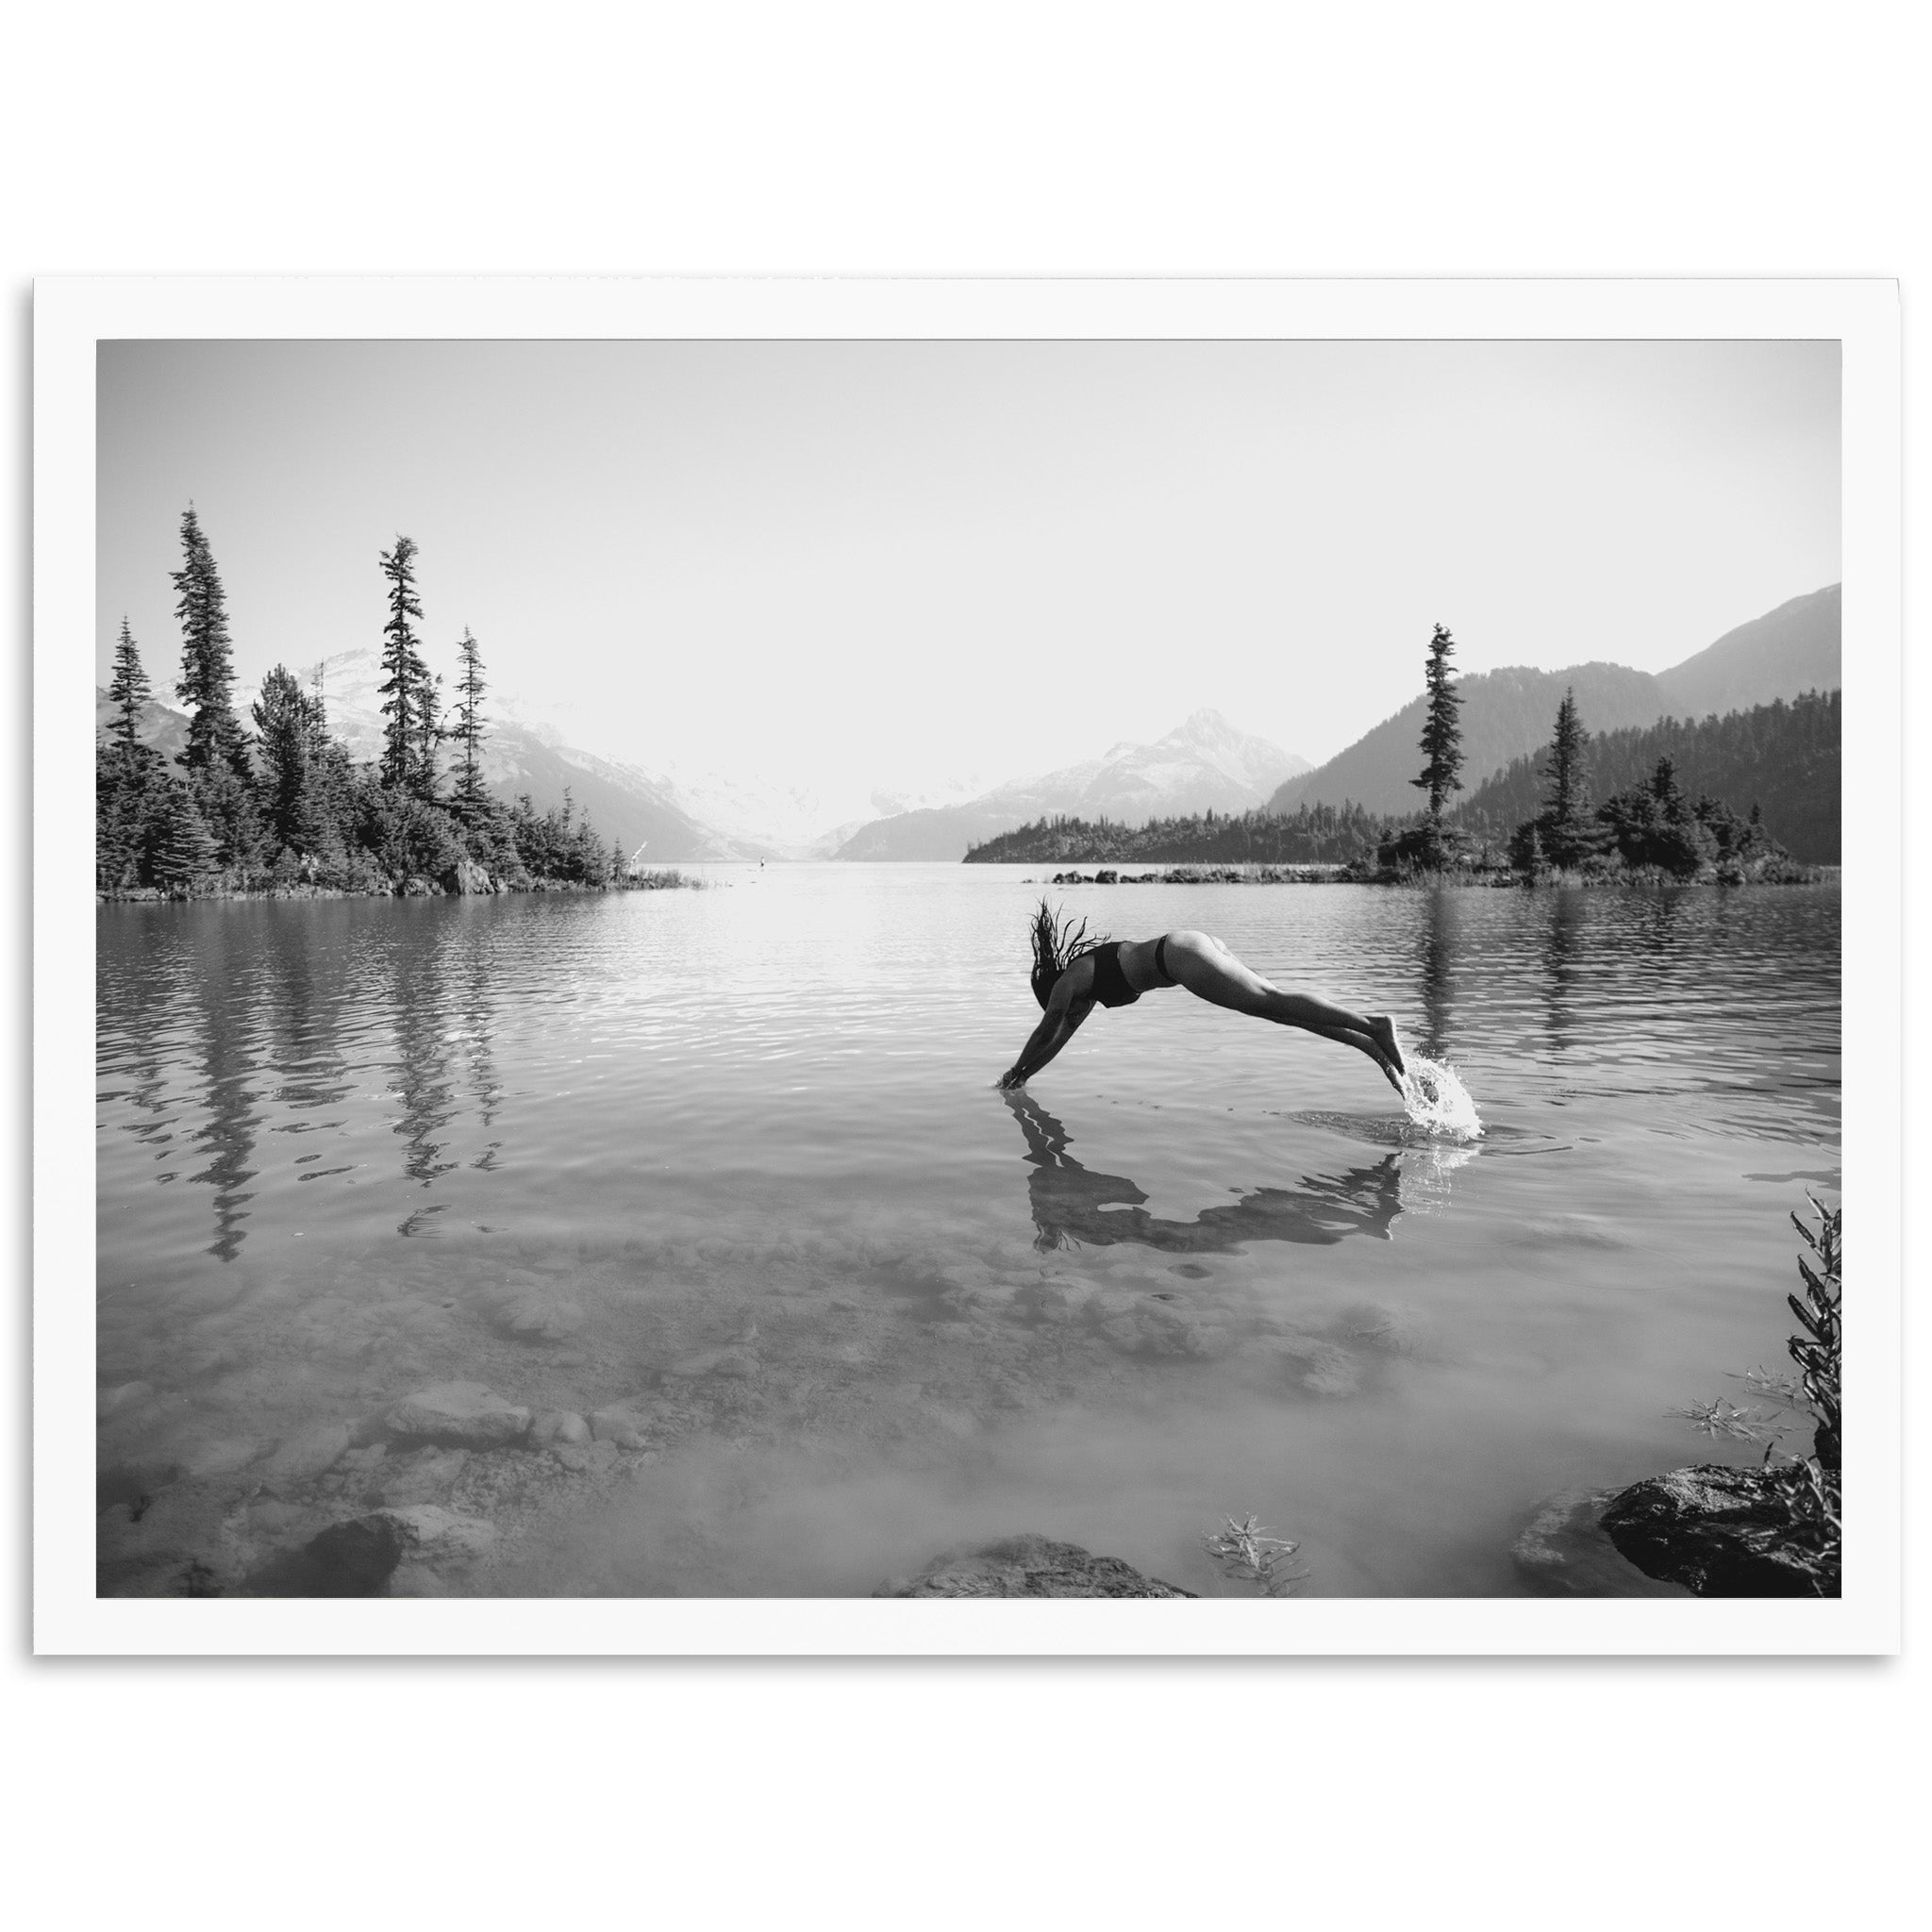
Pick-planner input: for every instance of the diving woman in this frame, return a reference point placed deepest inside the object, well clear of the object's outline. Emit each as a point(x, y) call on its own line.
point(1074, 974)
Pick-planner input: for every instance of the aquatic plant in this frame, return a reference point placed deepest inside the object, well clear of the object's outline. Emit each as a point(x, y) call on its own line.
point(1818, 1352)
point(1807, 1488)
point(1248, 1553)
point(1719, 1418)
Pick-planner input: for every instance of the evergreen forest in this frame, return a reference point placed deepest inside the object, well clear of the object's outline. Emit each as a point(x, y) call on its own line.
point(272, 802)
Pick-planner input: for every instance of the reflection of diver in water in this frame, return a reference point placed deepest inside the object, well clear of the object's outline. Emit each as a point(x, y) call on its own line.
point(1071, 1204)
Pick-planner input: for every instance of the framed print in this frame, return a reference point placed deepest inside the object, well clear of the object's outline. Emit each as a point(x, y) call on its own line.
point(906, 967)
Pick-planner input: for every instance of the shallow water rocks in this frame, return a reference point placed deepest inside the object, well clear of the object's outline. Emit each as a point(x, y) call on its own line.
point(308, 1453)
point(463, 1413)
point(1565, 1551)
point(1028, 1566)
point(1717, 1530)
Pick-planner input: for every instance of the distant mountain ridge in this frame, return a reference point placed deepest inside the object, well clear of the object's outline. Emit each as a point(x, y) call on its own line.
point(1509, 713)
point(1204, 764)
point(1797, 647)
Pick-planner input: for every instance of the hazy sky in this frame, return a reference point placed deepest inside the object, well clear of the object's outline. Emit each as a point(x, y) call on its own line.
point(907, 559)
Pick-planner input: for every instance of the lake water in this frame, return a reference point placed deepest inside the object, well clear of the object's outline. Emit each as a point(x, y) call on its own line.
point(734, 1158)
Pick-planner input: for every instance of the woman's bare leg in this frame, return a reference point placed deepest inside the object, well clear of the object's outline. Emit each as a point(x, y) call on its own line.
point(1207, 967)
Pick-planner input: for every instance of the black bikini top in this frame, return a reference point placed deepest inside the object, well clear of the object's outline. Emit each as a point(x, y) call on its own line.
point(1110, 988)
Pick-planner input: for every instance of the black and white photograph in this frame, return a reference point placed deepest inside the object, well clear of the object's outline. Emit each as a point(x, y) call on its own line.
point(905, 969)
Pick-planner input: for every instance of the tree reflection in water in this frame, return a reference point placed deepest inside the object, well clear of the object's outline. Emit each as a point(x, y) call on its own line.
point(1563, 944)
point(423, 1077)
point(1072, 1205)
point(1437, 960)
point(228, 1095)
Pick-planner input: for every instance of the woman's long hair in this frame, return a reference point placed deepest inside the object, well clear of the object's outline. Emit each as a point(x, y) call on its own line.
point(1057, 944)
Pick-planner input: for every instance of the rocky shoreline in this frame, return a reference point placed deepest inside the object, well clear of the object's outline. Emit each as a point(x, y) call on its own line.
point(1210, 876)
point(464, 881)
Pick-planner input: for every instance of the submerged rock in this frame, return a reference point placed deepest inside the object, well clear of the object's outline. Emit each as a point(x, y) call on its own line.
point(538, 1314)
point(465, 1413)
point(558, 1425)
point(426, 1529)
point(352, 1558)
point(1565, 1551)
point(1028, 1566)
point(621, 1426)
point(1719, 1531)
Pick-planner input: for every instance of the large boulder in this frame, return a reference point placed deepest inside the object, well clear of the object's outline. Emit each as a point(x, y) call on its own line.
point(1028, 1566)
point(1719, 1531)
point(463, 1413)
point(466, 877)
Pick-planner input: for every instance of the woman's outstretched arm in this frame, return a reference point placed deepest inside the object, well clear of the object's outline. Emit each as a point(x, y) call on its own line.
point(1058, 1024)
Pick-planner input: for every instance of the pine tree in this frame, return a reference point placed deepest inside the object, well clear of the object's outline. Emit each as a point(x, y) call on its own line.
point(1442, 740)
point(208, 657)
point(129, 690)
point(184, 848)
point(286, 733)
point(468, 800)
point(1568, 796)
point(426, 734)
point(403, 689)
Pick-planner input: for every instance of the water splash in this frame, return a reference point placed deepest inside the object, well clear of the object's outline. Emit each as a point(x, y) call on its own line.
point(1436, 1099)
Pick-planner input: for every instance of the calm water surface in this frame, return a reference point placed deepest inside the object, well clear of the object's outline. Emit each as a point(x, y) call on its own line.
point(573, 1147)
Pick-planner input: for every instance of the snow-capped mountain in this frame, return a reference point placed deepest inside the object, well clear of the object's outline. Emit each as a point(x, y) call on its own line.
point(1203, 765)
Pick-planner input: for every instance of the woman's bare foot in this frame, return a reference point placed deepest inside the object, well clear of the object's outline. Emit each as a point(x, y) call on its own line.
point(1382, 1031)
